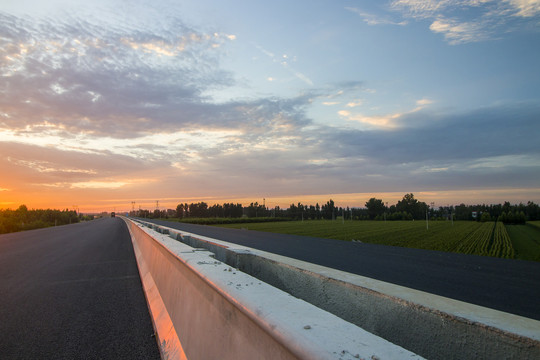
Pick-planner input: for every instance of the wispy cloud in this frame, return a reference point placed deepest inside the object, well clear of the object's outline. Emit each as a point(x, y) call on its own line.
point(466, 21)
point(355, 103)
point(372, 19)
point(99, 184)
point(379, 122)
point(524, 8)
point(114, 82)
point(285, 62)
point(384, 122)
point(459, 32)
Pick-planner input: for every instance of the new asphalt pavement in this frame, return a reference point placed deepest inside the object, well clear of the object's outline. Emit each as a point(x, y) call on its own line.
point(73, 292)
point(503, 284)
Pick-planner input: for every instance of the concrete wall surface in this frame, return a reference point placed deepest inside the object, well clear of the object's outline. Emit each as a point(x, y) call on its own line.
point(429, 325)
point(205, 309)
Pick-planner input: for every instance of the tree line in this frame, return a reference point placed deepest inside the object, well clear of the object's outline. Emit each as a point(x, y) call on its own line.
point(408, 208)
point(231, 210)
point(24, 219)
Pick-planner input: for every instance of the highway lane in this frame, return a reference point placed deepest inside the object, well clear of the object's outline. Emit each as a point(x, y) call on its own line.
point(508, 285)
point(73, 292)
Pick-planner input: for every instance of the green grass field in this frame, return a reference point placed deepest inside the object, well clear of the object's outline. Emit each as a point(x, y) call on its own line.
point(468, 237)
point(526, 241)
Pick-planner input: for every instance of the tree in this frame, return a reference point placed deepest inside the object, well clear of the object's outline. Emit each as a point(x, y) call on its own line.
point(328, 210)
point(180, 211)
point(485, 217)
point(375, 207)
point(412, 206)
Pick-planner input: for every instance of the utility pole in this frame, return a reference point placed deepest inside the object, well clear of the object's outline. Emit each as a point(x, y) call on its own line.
point(427, 221)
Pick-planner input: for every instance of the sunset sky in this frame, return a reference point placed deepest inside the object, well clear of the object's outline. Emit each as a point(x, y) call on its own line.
point(108, 102)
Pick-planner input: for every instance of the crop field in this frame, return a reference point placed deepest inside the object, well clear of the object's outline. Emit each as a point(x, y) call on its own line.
point(467, 237)
point(526, 240)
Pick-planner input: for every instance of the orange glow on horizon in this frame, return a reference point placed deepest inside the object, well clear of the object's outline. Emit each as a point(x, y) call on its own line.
point(99, 200)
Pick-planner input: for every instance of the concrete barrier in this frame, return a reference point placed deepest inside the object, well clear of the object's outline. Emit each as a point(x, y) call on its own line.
point(203, 308)
point(429, 325)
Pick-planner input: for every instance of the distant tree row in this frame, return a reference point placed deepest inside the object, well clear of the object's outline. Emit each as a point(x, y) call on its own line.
point(195, 210)
point(231, 210)
point(411, 208)
point(408, 208)
point(24, 219)
point(202, 210)
point(513, 218)
point(506, 212)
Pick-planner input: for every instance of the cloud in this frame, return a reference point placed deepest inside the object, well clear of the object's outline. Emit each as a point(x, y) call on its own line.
point(84, 77)
point(371, 19)
point(387, 121)
point(466, 21)
point(100, 89)
point(483, 133)
point(99, 184)
point(380, 122)
point(477, 149)
point(524, 8)
point(421, 104)
point(459, 33)
point(355, 103)
point(31, 164)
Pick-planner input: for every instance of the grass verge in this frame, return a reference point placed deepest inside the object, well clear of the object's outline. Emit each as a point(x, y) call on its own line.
point(526, 241)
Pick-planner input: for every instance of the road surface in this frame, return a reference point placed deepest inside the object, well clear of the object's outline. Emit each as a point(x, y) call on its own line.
point(508, 285)
point(73, 292)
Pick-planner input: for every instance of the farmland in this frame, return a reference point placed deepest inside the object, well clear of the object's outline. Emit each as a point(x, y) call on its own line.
point(467, 237)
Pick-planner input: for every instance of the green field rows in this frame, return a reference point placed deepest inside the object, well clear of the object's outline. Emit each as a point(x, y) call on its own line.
point(467, 237)
point(526, 240)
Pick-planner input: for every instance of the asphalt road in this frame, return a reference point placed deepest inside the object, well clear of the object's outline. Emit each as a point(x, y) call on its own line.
point(508, 285)
point(73, 292)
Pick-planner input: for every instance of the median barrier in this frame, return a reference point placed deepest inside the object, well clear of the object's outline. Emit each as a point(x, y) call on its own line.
point(203, 308)
point(432, 326)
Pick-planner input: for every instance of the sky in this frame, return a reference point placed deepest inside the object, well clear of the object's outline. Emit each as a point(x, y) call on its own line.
point(106, 103)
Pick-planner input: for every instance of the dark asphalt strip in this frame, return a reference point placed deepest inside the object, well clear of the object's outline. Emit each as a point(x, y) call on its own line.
point(73, 292)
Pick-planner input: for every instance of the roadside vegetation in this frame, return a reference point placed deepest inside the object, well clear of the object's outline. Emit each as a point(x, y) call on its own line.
point(24, 219)
point(526, 240)
point(467, 237)
point(498, 230)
